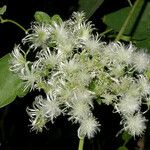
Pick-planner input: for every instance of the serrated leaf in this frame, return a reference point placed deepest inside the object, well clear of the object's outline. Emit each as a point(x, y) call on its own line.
point(3, 9)
point(89, 6)
point(10, 85)
point(122, 148)
point(42, 17)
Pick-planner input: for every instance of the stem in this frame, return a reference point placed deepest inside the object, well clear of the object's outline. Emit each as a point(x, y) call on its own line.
point(105, 32)
point(14, 22)
point(128, 19)
point(129, 3)
point(81, 143)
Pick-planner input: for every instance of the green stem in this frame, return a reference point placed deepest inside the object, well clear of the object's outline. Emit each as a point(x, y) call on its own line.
point(128, 19)
point(14, 22)
point(129, 3)
point(81, 143)
point(105, 32)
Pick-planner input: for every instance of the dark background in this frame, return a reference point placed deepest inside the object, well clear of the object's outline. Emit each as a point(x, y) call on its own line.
point(14, 122)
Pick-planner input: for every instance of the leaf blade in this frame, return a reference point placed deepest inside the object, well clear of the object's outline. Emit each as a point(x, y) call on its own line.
point(10, 84)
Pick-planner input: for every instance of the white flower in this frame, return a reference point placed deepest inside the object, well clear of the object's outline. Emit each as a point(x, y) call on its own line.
point(93, 45)
point(70, 67)
point(141, 61)
point(78, 17)
point(128, 105)
point(83, 31)
point(108, 98)
point(59, 33)
point(79, 110)
point(134, 124)
point(88, 127)
point(37, 115)
point(84, 95)
point(122, 54)
point(18, 59)
point(51, 107)
point(48, 58)
point(39, 36)
point(144, 85)
point(80, 27)
point(30, 75)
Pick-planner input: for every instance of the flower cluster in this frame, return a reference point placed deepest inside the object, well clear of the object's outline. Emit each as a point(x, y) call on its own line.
point(74, 68)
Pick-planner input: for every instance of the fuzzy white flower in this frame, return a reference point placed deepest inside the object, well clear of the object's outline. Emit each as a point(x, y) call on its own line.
point(93, 45)
point(47, 58)
point(18, 59)
point(70, 67)
point(84, 95)
point(144, 85)
point(108, 98)
point(37, 115)
point(122, 54)
point(59, 33)
point(88, 128)
point(39, 36)
point(30, 75)
point(134, 124)
point(51, 107)
point(128, 105)
point(80, 106)
point(78, 18)
point(141, 61)
point(79, 111)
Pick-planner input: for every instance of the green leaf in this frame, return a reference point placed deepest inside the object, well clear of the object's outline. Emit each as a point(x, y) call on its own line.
point(122, 148)
point(89, 6)
point(42, 17)
point(141, 30)
point(3, 9)
point(116, 19)
point(56, 18)
point(10, 85)
point(145, 43)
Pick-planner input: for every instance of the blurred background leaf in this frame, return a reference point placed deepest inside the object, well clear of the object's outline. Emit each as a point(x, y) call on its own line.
point(89, 6)
point(140, 32)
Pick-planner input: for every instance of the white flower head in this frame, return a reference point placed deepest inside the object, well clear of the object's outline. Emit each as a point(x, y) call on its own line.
point(134, 124)
point(18, 59)
point(47, 58)
point(51, 107)
point(93, 45)
point(79, 111)
point(122, 54)
point(70, 67)
point(30, 75)
point(40, 34)
point(78, 17)
point(88, 128)
point(128, 105)
point(59, 33)
point(144, 85)
point(141, 61)
point(37, 115)
point(108, 98)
